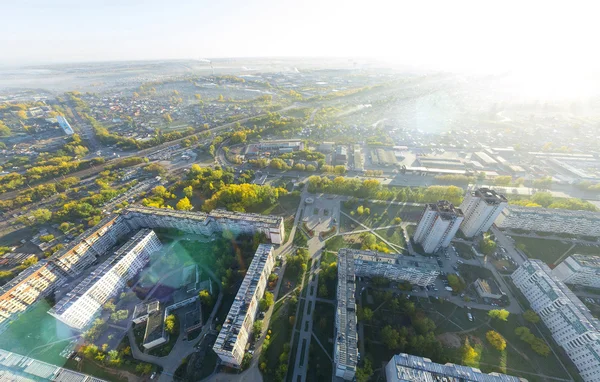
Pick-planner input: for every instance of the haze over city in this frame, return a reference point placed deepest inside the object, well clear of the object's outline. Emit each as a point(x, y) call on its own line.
point(299, 191)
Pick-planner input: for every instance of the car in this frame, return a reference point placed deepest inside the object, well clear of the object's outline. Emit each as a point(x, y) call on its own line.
point(470, 316)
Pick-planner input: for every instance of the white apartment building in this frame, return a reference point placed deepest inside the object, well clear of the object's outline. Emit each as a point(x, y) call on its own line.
point(405, 367)
point(39, 281)
point(438, 225)
point(206, 224)
point(345, 354)
point(78, 308)
point(586, 223)
point(571, 323)
point(579, 269)
point(232, 339)
point(354, 263)
point(481, 208)
point(418, 270)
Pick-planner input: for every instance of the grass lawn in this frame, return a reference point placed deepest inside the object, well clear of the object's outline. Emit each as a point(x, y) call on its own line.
point(300, 239)
point(546, 250)
point(286, 205)
point(281, 330)
point(463, 250)
point(470, 273)
point(337, 242)
point(320, 366)
point(380, 215)
point(323, 325)
point(519, 356)
point(393, 235)
point(585, 250)
point(38, 335)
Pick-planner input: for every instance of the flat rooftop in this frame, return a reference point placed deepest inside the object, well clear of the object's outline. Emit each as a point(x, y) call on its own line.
point(446, 209)
point(419, 369)
point(589, 261)
point(489, 196)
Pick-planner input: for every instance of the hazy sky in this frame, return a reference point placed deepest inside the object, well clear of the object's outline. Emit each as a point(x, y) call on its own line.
point(450, 34)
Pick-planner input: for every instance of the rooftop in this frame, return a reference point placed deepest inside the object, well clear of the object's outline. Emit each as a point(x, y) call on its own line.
point(489, 196)
point(589, 261)
point(446, 209)
point(237, 313)
point(419, 369)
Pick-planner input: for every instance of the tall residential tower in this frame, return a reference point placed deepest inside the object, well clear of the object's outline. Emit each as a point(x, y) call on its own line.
point(481, 208)
point(438, 225)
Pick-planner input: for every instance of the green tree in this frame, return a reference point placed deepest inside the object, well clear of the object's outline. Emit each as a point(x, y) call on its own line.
point(188, 191)
point(496, 340)
point(364, 373)
point(238, 137)
point(266, 302)
point(500, 314)
point(257, 328)
point(390, 337)
point(42, 215)
point(184, 204)
point(47, 238)
point(487, 246)
point(531, 316)
point(4, 130)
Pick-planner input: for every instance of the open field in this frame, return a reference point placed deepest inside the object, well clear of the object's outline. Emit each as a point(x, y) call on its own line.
point(380, 215)
point(547, 250)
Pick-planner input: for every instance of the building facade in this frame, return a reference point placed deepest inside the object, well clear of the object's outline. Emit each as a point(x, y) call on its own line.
point(586, 223)
point(43, 278)
point(438, 225)
point(354, 263)
point(236, 330)
point(79, 307)
point(481, 208)
point(581, 270)
point(571, 323)
point(405, 367)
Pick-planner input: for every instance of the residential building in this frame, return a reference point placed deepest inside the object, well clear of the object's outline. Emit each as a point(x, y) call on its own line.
point(231, 343)
point(585, 223)
point(581, 270)
point(405, 367)
point(326, 147)
point(15, 367)
point(42, 279)
point(341, 155)
point(438, 225)
point(571, 323)
point(79, 307)
point(488, 288)
point(282, 144)
point(206, 224)
point(481, 208)
point(345, 356)
point(62, 122)
point(354, 263)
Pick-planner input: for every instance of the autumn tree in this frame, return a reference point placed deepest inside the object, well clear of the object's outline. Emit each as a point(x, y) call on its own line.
point(184, 204)
point(496, 340)
point(205, 297)
point(500, 314)
point(171, 324)
point(188, 191)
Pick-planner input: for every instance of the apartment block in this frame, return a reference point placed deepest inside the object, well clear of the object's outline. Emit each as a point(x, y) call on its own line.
point(579, 269)
point(405, 367)
point(237, 328)
point(354, 263)
point(438, 225)
point(571, 323)
point(586, 223)
point(345, 356)
point(40, 280)
point(481, 208)
point(79, 307)
point(206, 224)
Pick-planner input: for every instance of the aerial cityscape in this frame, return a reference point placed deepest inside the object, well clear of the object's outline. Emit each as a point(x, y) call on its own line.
point(294, 210)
